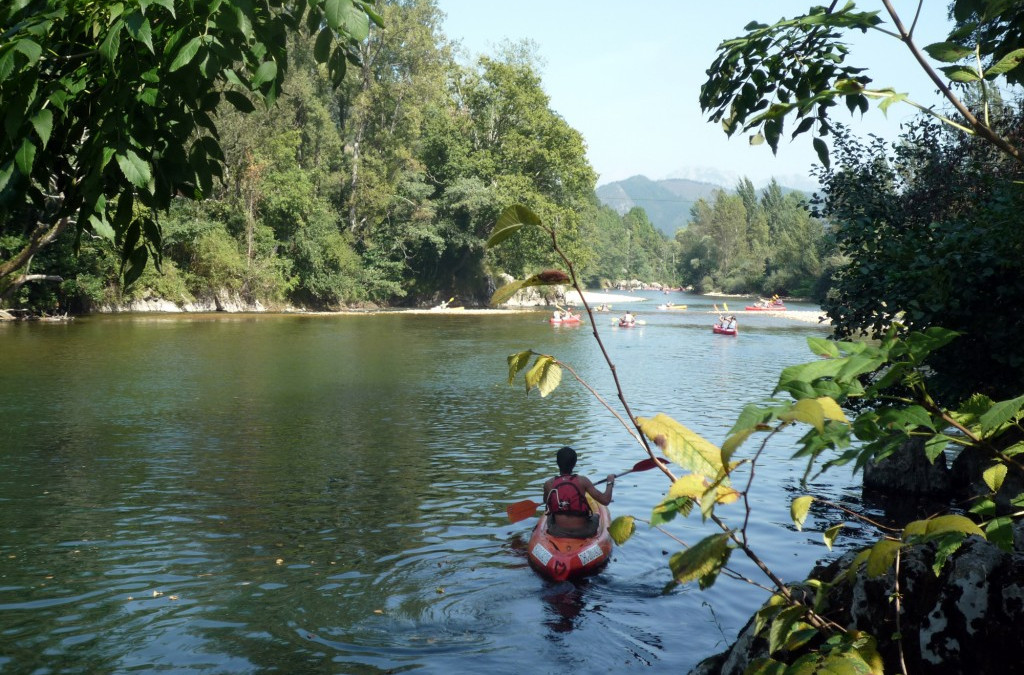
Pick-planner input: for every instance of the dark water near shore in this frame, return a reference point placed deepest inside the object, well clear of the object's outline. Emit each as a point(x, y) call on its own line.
point(249, 494)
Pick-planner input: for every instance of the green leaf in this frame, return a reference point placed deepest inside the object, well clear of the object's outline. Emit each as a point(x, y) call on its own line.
point(112, 43)
point(994, 476)
point(134, 168)
point(135, 265)
point(516, 362)
point(948, 52)
point(798, 510)
point(26, 156)
point(101, 227)
point(336, 12)
point(681, 445)
point(545, 278)
point(621, 529)
point(782, 627)
point(999, 531)
point(1006, 64)
point(322, 48)
point(702, 561)
point(935, 446)
point(512, 219)
point(186, 54)
point(42, 122)
point(961, 73)
point(265, 73)
point(882, 556)
point(140, 30)
point(1001, 413)
point(824, 347)
point(29, 48)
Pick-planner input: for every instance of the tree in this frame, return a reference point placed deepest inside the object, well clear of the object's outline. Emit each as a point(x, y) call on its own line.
point(109, 108)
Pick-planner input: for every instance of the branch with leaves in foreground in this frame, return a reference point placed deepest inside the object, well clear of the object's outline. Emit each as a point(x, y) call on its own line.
point(796, 617)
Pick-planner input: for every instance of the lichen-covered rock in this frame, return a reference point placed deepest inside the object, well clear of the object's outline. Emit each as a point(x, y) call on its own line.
point(967, 619)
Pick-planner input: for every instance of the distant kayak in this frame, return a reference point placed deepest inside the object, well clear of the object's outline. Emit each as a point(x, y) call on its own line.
point(724, 331)
point(571, 319)
point(561, 558)
point(671, 306)
point(627, 324)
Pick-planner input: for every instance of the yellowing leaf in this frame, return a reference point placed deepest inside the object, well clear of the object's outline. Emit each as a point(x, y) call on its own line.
point(808, 411)
point(726, 495)
point(686, 448)
point(953, 523)
point(831, 409)
point(621, 529)
point(691, 485)
point(994, 476)
point(830, 535)
point(545, 375)
point(798, 510)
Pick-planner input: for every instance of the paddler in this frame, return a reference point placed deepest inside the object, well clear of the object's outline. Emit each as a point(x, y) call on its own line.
point(569, 513)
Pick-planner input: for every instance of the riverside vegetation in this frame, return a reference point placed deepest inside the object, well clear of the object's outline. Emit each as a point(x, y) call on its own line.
point(272, 173)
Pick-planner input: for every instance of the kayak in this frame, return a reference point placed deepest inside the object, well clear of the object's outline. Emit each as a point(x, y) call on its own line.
point(572, 319)
point(627, 324)
point(561, 558)
point(771, 308)
point(671, 306)
point(724, 331)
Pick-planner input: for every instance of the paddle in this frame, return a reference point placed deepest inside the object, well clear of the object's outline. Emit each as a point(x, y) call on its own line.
point(526, 508)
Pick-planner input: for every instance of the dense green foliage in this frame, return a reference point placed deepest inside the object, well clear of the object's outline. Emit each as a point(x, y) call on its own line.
point(379, 186)
point(743, 243)
point(109, 109)
point(932, 234)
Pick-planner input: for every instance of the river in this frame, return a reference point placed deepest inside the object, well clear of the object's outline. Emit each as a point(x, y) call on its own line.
point(298, 494)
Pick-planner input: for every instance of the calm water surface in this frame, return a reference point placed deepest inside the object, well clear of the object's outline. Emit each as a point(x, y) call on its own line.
point(250, 494)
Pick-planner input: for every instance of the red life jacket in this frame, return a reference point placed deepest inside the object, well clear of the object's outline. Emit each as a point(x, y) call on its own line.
point(566, 496)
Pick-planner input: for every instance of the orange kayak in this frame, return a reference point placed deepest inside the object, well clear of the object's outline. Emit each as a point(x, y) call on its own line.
point(561, 558)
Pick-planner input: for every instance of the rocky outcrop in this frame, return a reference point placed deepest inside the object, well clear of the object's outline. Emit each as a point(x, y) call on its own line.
point(221, 301)
point(968, 618)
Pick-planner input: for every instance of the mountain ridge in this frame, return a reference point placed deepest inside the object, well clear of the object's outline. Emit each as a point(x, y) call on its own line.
point(667, 202)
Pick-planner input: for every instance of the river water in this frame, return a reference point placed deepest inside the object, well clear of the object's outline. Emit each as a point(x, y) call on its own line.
point(296, 494)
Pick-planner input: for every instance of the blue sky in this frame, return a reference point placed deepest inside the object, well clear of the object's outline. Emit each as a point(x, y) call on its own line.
point(627, 76)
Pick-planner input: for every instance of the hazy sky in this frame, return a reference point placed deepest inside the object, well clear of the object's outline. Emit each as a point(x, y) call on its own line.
point(628, 75)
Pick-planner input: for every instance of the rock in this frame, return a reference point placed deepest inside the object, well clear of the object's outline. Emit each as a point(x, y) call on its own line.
point(908, 471)
point(967, 619)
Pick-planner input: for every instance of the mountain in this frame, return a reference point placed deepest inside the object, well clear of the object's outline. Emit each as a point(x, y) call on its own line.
point(667, 202)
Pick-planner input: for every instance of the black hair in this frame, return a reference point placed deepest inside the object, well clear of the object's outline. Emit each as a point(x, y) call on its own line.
point(566, 459)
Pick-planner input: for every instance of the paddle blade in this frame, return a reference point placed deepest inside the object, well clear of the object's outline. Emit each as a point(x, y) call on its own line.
point(521, 510)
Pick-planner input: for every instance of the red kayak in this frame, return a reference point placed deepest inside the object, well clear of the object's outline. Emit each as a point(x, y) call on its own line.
point(561, 558)
point(572, 319)
point(627, 324)
point(724, 331)
point(769, 308)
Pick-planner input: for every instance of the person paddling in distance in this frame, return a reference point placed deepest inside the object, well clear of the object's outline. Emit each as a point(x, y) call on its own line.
point(628, 318)
point(565, 498)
